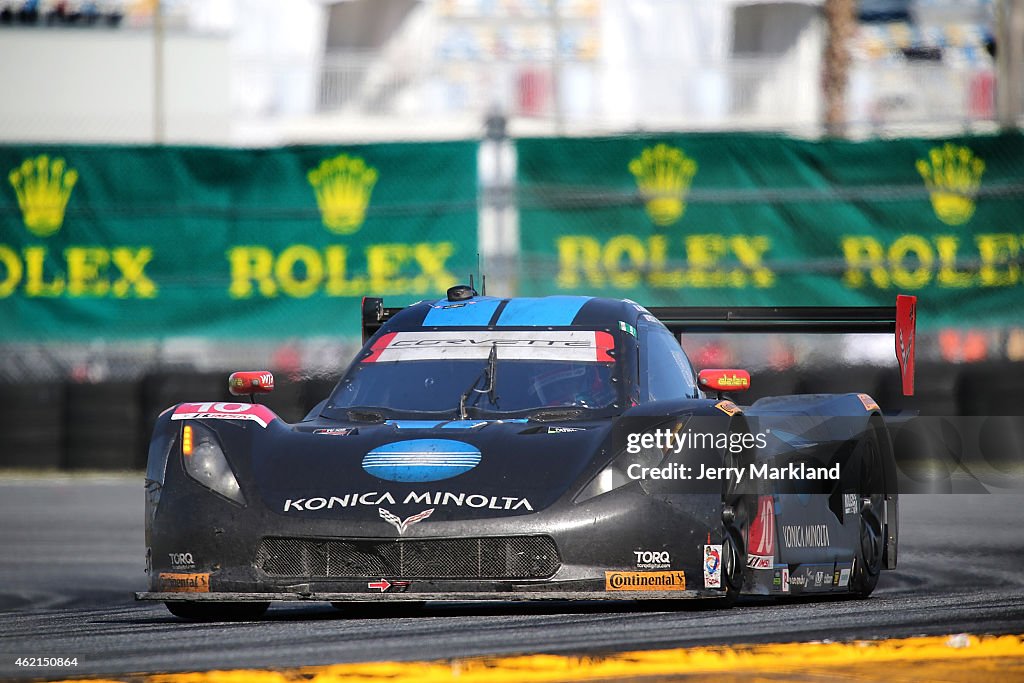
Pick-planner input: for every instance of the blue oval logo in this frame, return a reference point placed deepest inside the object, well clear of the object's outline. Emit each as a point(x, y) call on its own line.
point(421, 460)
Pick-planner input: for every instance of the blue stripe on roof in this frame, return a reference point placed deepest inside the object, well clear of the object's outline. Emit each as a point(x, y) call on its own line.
point(548, 311)
point(476, 312)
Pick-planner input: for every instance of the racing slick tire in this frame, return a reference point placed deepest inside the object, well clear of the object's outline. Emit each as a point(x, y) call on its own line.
point(870, 496)
point(217, 611)
point(737, 509)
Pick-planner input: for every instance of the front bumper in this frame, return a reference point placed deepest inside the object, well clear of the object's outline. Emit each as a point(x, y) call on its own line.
point(593, 540)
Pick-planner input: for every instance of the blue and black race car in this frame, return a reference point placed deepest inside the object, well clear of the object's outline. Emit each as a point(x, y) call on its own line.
point(565, 448)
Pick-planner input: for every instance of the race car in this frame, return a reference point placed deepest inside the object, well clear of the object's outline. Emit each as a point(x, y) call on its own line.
point(504, 449)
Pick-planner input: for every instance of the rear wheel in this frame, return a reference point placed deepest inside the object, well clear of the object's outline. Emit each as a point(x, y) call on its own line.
point(870, 500)
point(217, 611)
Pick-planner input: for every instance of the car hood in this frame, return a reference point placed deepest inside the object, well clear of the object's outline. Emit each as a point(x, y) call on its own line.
point(467, 469)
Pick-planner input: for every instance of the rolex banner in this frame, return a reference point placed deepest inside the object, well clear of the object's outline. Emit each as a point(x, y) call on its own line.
point(746, 219)
point(150, 242)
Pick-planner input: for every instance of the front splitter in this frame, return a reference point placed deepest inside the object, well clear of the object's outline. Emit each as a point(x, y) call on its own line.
point(388, 596)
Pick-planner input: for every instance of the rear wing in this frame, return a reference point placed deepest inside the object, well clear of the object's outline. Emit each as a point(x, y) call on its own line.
point(900, 320)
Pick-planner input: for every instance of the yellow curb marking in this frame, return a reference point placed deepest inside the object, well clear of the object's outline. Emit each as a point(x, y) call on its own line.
point(764, 660)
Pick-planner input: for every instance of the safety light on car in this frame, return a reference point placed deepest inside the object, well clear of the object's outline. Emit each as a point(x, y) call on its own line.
point(206, 463)
point(186, 440)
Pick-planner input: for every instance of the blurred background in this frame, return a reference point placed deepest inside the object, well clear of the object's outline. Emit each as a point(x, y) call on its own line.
point(192, 187)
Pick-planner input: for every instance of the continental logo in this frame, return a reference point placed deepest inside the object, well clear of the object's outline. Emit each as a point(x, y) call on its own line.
point(343, 185)
point(43, 187)
point(644, 581)
point(952, 175)
point(185, 583)
point(663, 176)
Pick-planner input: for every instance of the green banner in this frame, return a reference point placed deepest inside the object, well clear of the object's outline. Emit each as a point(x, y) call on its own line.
point(155, 242)
point(748, 219)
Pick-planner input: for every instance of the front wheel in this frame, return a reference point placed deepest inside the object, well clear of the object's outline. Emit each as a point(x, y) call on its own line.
point(733, 563)
point(217, 611)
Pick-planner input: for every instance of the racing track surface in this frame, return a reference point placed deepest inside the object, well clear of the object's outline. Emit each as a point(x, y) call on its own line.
point(71, 554)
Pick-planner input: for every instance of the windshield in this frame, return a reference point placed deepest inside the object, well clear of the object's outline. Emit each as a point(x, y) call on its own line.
point(483, 372)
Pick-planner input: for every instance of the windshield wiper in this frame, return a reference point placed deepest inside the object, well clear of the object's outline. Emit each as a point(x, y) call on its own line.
point(490, 374)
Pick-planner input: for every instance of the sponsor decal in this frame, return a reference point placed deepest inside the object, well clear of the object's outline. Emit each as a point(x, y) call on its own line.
point(250, 382)
point(565, 430)
point(777, 579)
point(761, 535)
point(713, 566)
point(253, 412)
point(337, 431)
point(403, 524)
point(811, 575)
point(644, 581)
point(835, 577)
point(420, 460)
point(182, 560)
point(844, 577)
point(806, 536)
point(785, 579)
point(652, 559)
point(724, 380)
point(447, 307)
point(434, 498)
point(733, 380)
point(185, 583)
point(850, 503)
point(728, 407)
point(869, 403)
point(570, 345)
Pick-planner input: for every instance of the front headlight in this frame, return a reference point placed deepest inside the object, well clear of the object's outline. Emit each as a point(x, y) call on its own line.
point(205, 462)
point(617, 473)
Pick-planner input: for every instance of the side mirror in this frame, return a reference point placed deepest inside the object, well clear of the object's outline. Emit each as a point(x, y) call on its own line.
point(249, 383)
point(724, 380)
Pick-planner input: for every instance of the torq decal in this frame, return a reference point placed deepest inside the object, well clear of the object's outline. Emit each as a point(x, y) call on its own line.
point(259, 414)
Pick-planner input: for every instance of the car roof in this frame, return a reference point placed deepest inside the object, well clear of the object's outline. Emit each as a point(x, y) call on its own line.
point(518, 312)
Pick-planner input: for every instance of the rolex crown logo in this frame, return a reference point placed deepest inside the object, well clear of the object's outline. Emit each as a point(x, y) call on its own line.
point(952, 175)
point(343, 185)
point(663, 176)
point(43, 187)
